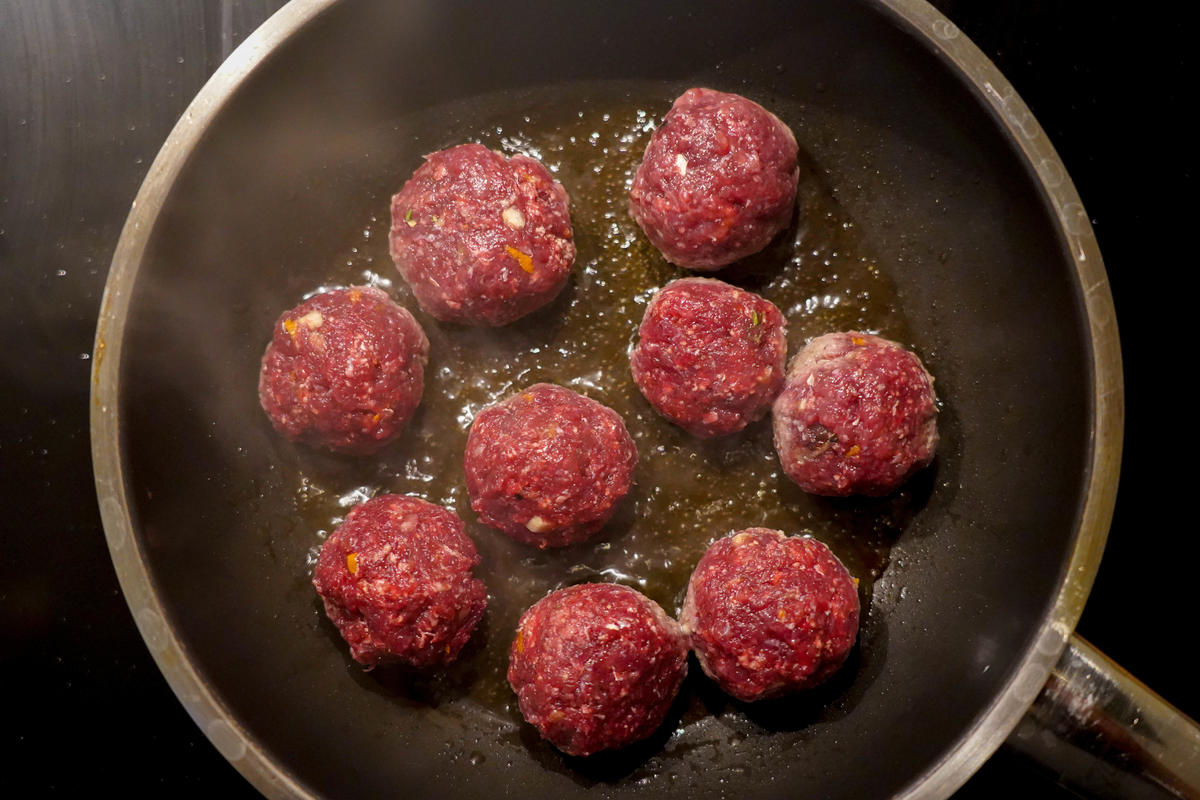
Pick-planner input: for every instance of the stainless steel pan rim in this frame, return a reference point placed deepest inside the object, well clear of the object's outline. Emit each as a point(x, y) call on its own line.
point(930, 27)
point(994, 725)
point(213, 719)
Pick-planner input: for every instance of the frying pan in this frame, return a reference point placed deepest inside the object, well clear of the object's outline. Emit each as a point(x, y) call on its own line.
point(925, 147)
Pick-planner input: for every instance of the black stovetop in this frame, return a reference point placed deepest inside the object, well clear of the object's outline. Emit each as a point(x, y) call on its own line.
point(88, 92)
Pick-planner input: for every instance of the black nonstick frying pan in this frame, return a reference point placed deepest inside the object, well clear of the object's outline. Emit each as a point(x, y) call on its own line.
point(935, 211)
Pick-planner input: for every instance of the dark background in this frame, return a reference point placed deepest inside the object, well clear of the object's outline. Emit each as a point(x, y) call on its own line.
point(89, 90)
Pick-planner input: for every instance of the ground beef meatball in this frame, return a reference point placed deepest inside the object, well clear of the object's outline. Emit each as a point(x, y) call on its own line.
point(596, 667)
point(717, 181)
point(710, 356)
point(857, 415)
point(482, 239)
point(548, 466)
point(344, 370)
point(396, 581)
point(768, 614)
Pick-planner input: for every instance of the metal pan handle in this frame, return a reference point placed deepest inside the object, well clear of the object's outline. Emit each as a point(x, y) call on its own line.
point(1106, 734)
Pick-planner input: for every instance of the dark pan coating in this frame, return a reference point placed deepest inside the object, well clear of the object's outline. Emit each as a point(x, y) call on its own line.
point(596, 667)
point(858, 415)
point(710, 356)
point(482, 239)
point(345, 370)
point(396, 581)
point(717, 181)
point(768, 614)
point(548, 466)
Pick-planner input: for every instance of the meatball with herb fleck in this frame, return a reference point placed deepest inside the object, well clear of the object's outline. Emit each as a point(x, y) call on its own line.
point(480, 238)
point(596, 667)
point(710, 356)
point(345, 370)
point(857, 415)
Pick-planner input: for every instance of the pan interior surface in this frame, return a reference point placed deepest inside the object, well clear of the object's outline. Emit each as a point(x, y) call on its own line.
point(288, 190)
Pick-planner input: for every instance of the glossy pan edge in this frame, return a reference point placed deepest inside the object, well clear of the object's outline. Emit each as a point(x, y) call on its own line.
point(926, 24)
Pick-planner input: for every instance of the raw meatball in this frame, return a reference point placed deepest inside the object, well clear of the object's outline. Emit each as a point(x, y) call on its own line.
point(596, 667)
point(857, 415)
point(769, 614)
point(344, 370)
point(396, 580)
point(717, 181)
point(710, 356)
point(548, 466)
point(482, 239)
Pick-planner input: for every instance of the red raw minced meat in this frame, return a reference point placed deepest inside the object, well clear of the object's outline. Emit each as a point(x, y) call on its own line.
point(548, 466)
point(717, 181)
point(857, 415)
point(396, 580)
point(482, 239)
point(596, 667)
point(345, 370)
point(768, 614)
point(710, 356)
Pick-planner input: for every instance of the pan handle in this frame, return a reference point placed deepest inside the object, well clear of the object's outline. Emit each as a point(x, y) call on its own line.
point(1106, 734)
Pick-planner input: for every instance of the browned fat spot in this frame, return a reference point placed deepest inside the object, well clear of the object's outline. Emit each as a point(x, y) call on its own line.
point(817, 438)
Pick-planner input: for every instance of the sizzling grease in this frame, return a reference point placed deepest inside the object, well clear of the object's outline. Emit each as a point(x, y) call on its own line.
point(688, 492)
